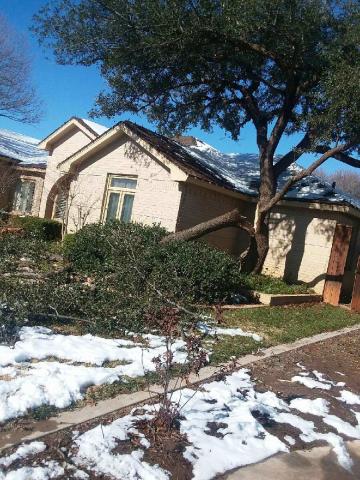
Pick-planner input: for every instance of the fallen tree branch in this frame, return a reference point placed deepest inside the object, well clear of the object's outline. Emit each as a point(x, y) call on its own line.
point(229, 219)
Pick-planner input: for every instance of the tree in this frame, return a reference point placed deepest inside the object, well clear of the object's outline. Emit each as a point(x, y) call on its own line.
point(288, 67)
point(8, 179)
point(346, 180)
point(17, 97)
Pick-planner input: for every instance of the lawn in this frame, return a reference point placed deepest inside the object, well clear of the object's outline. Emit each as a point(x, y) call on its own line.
point(279, 325)
point(96, 368)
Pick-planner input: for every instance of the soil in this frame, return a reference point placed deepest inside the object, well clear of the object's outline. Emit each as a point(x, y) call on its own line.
point(338, 359)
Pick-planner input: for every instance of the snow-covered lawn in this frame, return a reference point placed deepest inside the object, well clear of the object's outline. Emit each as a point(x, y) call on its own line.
point(45, 368)
point(231, 406)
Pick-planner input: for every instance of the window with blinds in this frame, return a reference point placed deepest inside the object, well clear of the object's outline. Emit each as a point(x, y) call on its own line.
point(119, 200)
point(24, 196)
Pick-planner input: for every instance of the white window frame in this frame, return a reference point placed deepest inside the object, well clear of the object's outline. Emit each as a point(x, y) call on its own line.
point(121, 191)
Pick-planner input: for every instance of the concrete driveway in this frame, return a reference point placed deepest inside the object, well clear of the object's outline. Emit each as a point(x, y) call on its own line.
point(318, 463)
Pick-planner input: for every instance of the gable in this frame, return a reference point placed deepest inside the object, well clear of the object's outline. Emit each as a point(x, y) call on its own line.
point(72, 140)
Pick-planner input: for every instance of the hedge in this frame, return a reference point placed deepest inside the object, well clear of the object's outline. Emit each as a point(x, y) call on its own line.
point(191, 270)
point(40, 228)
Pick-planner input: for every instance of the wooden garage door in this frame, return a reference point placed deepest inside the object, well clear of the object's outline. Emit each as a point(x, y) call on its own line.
point(337, 261)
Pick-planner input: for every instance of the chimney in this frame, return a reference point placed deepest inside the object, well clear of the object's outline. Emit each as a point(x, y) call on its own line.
point(186, 141)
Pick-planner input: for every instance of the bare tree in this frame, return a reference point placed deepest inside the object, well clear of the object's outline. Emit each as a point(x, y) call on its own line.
point(8, 178)
point(346, 180)
point(18, 100)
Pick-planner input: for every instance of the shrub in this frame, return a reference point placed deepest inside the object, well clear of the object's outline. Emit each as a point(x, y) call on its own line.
point(40, 228)
point(181, 270)
point(14, 247)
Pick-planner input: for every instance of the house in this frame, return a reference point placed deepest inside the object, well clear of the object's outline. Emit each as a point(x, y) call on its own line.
point(131, 173)
point(22, 173)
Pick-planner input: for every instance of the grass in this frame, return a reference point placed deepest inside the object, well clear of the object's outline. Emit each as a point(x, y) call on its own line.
point(279, 325)
point(275, 324)
point(266, 284)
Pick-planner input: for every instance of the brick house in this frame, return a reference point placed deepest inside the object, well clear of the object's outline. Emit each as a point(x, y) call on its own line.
point(128, 172)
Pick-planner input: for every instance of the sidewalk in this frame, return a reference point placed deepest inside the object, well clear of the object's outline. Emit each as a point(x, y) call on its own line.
point(318, 463)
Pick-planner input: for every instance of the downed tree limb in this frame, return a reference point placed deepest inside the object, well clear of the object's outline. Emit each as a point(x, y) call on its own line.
point(229, 219)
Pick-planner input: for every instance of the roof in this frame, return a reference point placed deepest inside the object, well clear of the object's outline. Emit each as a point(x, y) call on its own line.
point(92, 129)
point(23, 149)
point(95, 127)
point(239, 172)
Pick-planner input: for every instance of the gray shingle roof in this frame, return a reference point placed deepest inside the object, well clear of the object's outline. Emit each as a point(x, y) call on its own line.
point(22, 149)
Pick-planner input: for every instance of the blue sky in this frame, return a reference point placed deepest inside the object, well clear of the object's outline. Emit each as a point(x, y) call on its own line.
point(70, 90)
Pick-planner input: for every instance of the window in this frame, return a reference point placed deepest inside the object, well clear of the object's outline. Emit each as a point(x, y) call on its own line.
point(119, 198)
point(60, 205)
point(24, 196)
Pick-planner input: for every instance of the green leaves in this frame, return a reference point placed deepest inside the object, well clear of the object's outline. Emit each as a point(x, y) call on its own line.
point(187, 62)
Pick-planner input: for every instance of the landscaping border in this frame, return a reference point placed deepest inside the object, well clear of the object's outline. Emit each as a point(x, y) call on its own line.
point(72, 418)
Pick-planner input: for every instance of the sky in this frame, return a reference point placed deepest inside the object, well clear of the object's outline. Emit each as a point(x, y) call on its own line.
point(67, 91)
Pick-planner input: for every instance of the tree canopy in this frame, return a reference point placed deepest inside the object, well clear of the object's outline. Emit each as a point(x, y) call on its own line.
point(286, 66)
point(186, 62)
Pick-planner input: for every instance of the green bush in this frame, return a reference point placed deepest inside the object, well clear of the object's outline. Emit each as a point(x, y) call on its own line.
point(40, 228)
point(181, 270)
point(15, 247)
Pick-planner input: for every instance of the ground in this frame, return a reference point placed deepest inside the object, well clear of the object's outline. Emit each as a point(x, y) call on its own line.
point(292, 401)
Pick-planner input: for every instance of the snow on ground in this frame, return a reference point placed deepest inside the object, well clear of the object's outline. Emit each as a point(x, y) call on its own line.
point(53, 369)
point(233, 332)
point(349, 397)
point(48, 470)
point(224, 422)
point(307, 379)
point(232, 407)
point(95, 451)
point(25, 385)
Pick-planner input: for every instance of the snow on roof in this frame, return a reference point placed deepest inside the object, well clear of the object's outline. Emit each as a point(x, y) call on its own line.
point(99, 129)
point(21, 148)
point(242, 172)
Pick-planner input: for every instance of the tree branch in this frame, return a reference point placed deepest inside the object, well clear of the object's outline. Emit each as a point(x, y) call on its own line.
point(283, 118)
point(305, 173)
point(292, 156)
point(229, 219)
point(341, 156)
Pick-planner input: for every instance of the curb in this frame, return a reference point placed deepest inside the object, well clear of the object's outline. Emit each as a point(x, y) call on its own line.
point(72, 418)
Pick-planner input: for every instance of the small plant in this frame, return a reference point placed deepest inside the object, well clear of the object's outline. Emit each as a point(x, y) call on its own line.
point(9, 326)
point(171, 325)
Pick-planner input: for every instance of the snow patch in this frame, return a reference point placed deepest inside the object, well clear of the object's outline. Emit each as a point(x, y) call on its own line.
point(349, 397)
point(30, 385)
point(232, 332)
point(95, 451)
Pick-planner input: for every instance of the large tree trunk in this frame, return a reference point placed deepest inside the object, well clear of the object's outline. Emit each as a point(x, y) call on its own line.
point(253, 258)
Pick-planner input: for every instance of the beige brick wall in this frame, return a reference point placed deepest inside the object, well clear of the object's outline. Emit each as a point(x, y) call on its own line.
point(200, 204)
point(157, 196)
point(70, 143)
point(300, 244)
